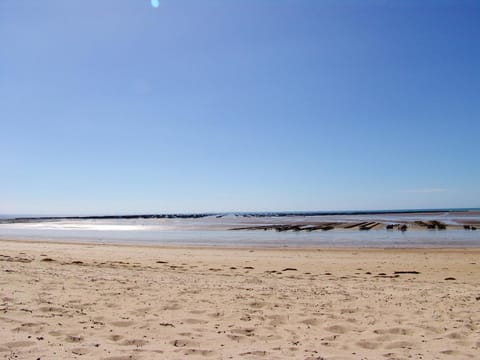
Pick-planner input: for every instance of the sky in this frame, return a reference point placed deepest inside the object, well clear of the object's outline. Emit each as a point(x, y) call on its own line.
point(117, 107)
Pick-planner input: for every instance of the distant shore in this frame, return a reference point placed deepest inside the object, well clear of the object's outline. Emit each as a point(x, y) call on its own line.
point(243, 214)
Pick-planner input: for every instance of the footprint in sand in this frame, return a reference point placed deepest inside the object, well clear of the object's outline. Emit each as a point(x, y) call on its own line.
point(246, 317)
point(237, 338)
point(431, 330)
point(141, 311)
point(450, 352)
point(73, 338)
point(393, 331)
point(51, 309)
point(255, 353)
point(134, 342)
point(198, 352)
point(257, 304)
point(337, 329)
point(195, 321)
point(122, 323)
point(276, 320)
point(456, 336)
point(370, 345)
point(29, 327)
point(18, 344)
point(198, 312)
point(216, 315)
point(184, 343)
point(311, 322)
point(244, 331)
point(79, 351)
point(115, 337)
point(400, 345)
point(172, 306)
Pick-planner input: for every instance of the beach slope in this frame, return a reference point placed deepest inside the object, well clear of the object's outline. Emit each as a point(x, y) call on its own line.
point(68, 301)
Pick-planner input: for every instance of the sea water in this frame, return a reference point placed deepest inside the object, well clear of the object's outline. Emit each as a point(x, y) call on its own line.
point(214, 231)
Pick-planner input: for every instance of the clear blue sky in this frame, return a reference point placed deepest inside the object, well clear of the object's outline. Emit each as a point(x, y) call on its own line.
point(217, 105)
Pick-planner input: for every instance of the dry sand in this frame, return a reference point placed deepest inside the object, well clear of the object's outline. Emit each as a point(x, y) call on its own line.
point(69, 301)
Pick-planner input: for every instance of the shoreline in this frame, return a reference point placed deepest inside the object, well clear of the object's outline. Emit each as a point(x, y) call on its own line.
point(235, 247)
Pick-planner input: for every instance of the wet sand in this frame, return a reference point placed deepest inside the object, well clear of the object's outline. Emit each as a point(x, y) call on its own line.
point(68, 301)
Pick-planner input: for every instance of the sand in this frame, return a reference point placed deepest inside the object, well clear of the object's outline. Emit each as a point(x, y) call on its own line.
point(69, 301)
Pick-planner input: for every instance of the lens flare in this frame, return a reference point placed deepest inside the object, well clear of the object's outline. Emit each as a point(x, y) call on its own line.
point(155, 3)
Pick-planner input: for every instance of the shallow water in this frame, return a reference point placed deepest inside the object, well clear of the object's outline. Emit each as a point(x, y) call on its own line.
point(213, 231)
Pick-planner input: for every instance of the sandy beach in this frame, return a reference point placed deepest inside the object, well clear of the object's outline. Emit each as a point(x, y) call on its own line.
point(69, 301)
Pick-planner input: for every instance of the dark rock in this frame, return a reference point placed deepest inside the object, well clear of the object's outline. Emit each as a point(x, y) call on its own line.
point(328, 227)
